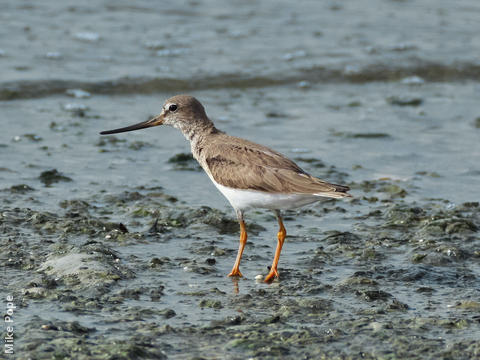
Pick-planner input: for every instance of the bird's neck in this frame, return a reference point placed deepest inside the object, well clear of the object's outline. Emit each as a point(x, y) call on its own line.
point(193, 132)
point(199, 138)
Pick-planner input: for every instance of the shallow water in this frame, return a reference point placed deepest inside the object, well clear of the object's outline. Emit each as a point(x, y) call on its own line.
point(385, 103)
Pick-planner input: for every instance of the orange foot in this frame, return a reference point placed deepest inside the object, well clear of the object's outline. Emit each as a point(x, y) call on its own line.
point(235, 272)
point(271, 275)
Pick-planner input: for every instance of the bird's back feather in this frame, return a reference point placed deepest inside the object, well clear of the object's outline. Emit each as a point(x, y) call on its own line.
point(242, 164)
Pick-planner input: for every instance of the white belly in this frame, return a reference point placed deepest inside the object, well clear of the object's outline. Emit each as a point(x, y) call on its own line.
point(245, 199)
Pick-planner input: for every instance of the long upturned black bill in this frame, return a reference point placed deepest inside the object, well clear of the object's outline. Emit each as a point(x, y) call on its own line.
point(144, 124)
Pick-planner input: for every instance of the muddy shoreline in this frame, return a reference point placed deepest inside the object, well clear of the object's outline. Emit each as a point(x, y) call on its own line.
point(424, 71)
point(118, 247)
point(405, 278)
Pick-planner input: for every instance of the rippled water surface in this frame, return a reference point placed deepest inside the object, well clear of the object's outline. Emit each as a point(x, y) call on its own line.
point(378, 95)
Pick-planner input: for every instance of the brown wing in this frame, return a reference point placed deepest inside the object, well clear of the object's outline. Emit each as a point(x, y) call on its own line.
point(241, 164)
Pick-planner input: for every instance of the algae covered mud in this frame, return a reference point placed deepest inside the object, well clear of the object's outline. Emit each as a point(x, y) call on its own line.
point(118, 247)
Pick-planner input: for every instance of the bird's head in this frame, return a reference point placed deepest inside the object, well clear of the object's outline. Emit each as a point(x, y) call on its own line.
point(180, 111)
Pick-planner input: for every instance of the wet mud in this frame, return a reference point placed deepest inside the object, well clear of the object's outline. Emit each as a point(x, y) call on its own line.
point(402, 282)
point(118, 247)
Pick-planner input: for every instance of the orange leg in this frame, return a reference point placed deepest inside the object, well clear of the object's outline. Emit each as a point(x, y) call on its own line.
point(243, 240)
point(282, 233)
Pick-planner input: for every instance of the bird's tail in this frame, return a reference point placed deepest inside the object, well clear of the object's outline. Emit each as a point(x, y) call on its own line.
point(340, 191)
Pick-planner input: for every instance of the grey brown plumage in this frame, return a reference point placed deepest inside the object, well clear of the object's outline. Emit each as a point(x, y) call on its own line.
point(242, 164)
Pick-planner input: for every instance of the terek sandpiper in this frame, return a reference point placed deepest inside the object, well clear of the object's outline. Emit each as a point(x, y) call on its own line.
point(249, 175)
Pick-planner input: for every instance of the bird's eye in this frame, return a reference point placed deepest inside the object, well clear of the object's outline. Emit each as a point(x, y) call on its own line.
point(172, 108)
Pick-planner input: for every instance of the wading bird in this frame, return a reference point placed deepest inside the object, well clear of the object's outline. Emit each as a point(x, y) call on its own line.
point(249, 175)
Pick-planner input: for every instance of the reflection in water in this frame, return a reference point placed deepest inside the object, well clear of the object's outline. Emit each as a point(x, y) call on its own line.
point(235, 285)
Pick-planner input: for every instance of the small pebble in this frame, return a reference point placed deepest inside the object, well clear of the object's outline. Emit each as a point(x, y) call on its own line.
point(87, 36)
point(154, 45)
point(53, 55)
point(376, 326)
point(49, 327)
point(294, 55)
point(300, 150)
point(403, 47)
point(351, 70)
point(172, 52)
point(304, 84)
point(404, 100)
point(450, 206)
point(413, 80)
point(75, 107)
point(210, 261)
point(78, 93)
